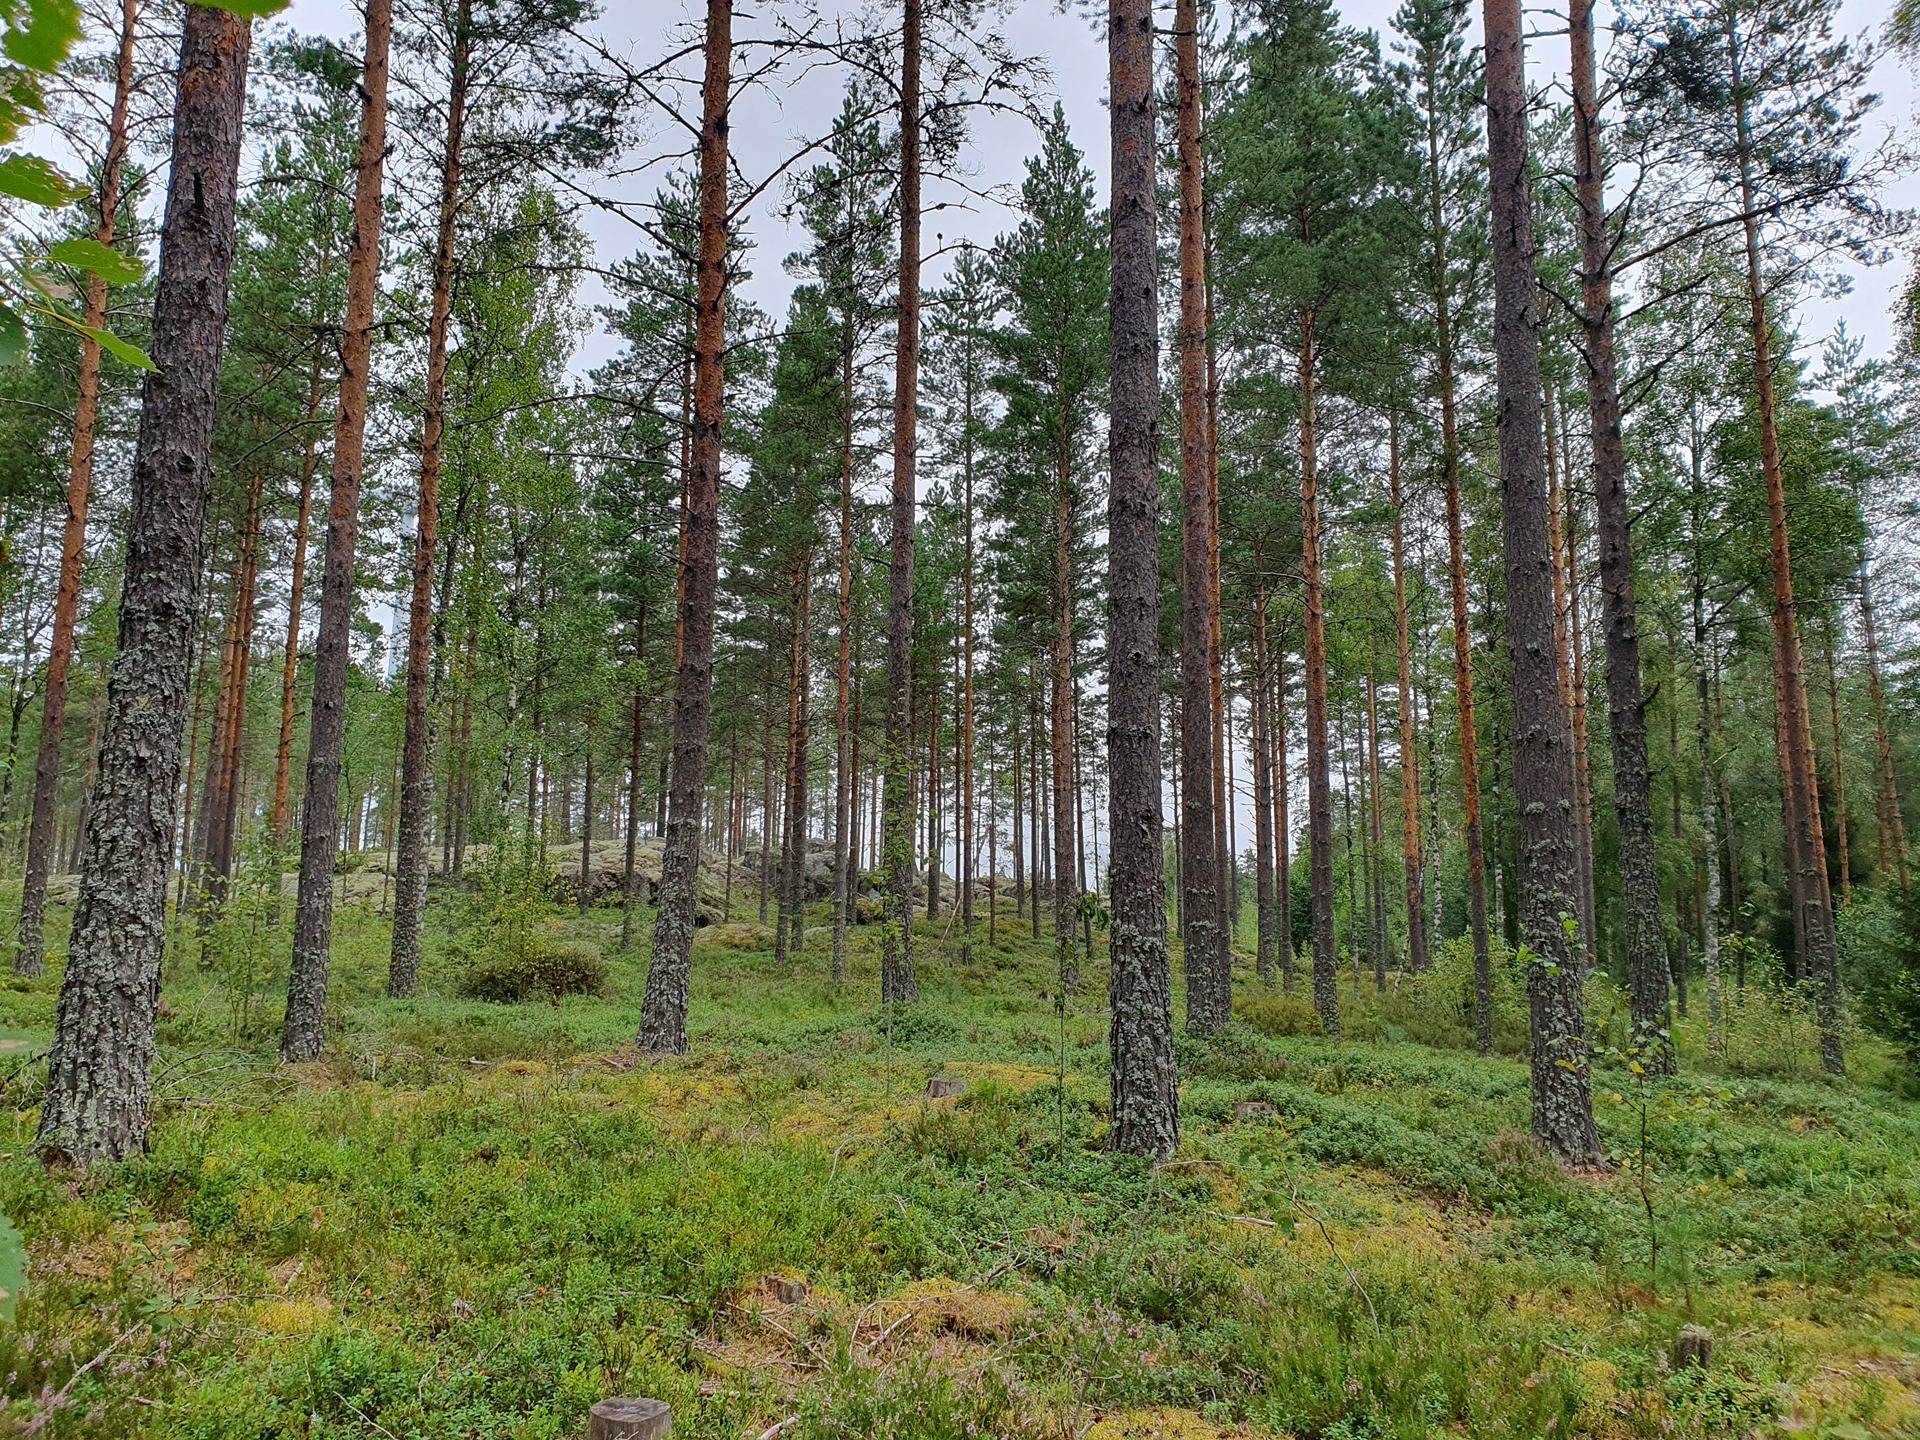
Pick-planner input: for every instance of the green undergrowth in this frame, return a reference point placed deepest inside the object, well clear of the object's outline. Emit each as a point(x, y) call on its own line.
point(475, 1219)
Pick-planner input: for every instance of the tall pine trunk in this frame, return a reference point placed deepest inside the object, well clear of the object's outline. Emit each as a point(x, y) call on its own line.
point(1441, 287)
point(1146, 1113)
point(332, 651)
point(1649, 999)
point(1412, 860)
point(30, 957)
point(99, 1074)
point(663, 1013)
point(416, 755)
point(897, 978)
point(1326, 998)
point(296, 602)
point(1813, 908)
point(1209, 993)
point(1542, 740)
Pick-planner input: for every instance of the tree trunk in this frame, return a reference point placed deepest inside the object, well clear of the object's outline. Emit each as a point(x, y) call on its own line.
point(1146, 1116)
point(1839, 773)
point(416, 756)
point(1413, 863)
point(636, 758)
point(897, 978)
point(1262, 783)
point(1442, 295)
point(1891, 827)
point(1060, 726)
point(1282, 823)
point(1648, 996)
point(296, 599)
point(100, 1068)
point(1326, 999)
point(1209, 995)
point(1376, 837)
point(1582, 752)
point(844, 776)
point(964, 797)
point(1807, 847)
point(30, 957)
point(663, 1014)
point(1542, 741)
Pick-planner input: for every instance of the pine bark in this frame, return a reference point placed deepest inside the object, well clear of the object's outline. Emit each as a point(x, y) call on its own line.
point(1542, 740)
point(1413, 861)
point(898, 981)
point(99, 1079)
point(663, 1013)
point(416, 755)
point(1648, 994)
point(1441, 286)
point(29, 959)
point(1819, 954)
point(332, 650)
point(1326, 998)
point(1146, 1115)
point(296, 602)
point(1209, 992)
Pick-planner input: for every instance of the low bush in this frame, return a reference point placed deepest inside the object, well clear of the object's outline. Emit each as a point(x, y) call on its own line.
point(537, 968)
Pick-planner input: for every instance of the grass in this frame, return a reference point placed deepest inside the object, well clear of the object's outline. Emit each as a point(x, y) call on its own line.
point(476, 1219)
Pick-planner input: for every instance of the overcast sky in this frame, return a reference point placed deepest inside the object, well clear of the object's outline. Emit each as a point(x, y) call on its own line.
point(770, 119)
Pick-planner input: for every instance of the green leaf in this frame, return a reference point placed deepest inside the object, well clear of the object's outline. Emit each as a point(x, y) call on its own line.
point(97, 259)
point(30, 178)
point(121, 350)
point(20, 101)
point(48, 36)
point(13, 336)
point(13, 1267)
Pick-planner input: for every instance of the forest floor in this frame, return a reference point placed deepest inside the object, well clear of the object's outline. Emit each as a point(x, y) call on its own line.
point(475, 1220)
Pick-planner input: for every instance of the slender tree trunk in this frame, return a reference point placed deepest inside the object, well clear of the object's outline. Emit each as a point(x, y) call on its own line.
point(30, 957)
point(1060, 723)
point(416, 767)
point(1888, 797)
point(1820, 956)
point(663, 1015)
point(1582, 753)
point(296, 600)
point(99, 1072)
point(1413, 863)
point(1146, 1115)
point(1709, 839)
point(964, 795)
point(1891, 827)
point(1326, 999)
point(1444, 360)
point(1376, 837)
point(1282, 823)
point(897, 978)
point(636, 760)
point(586, 824)
point(1209, 994)
point(844, 776)
point(1262, 783)
point(1839, 772)
point(1542, 742)
point(1648, 995)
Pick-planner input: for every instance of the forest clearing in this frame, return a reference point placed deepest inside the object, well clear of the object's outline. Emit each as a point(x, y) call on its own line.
point(959, 720)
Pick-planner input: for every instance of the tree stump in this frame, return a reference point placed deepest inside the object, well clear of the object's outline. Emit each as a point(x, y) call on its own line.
point(787, 1291)
point(945, 1087)
point(1692, 1348)
point(628, 1419)
point(1247, 1110)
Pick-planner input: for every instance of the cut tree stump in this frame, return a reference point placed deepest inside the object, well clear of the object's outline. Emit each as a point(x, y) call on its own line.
point(1245, 1110)
point(945, 1087)
point(786, 1291)
point(1692, 1348)
point(630, 1419)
